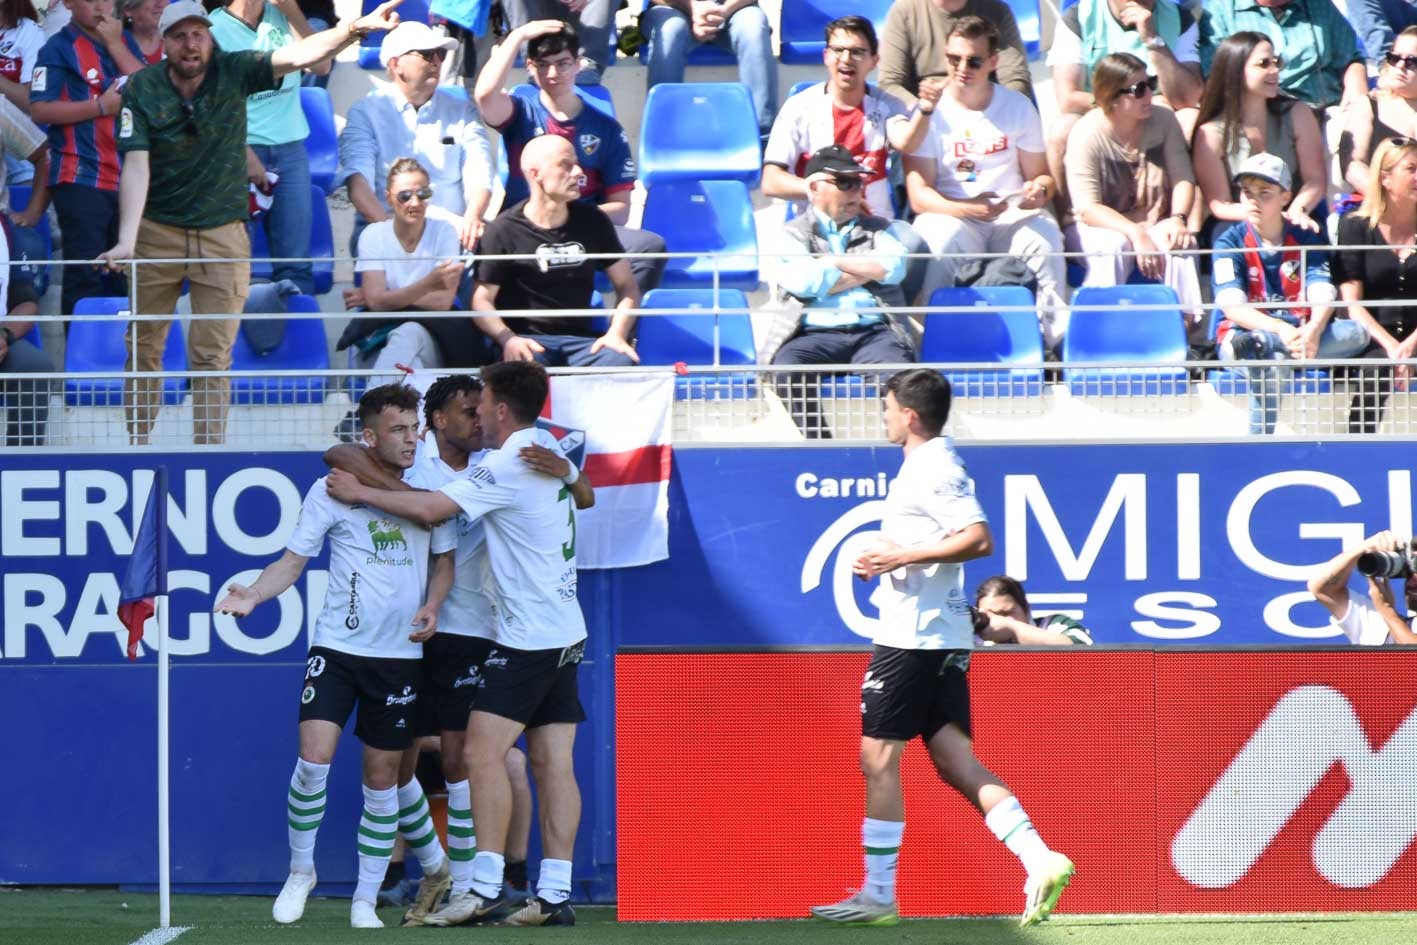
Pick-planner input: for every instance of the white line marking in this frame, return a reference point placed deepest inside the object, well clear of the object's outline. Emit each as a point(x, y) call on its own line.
point(162, 936)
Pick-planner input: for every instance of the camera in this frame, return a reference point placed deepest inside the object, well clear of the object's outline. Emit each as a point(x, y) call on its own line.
point(1387, 564)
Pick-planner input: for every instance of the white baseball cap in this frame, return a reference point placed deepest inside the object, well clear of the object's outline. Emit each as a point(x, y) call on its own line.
point(175, 13)
point(1268, 167)
point(412, 36)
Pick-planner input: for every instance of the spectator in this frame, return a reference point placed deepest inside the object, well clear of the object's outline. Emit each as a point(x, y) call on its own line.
point(20, 42)
point(140, 18)
point(1243, 113)
point(1371, 619)
point(1130, 177)
point(1260, 260)
point(980, 181)
point(408, 264)
point(561, 231)
point(75, 91)
point(1322, 62)
point(185, 196)
point(846, 291)
point(276, 131)
point(913, 44)
point(56, 17)
point(26, 403)
point(1391, 112)
point(1003, 616)
point(21, 140)
point(590, 20)
point(1376, 263)
point(412, 117)
point(1375, 22)
point(601, 147)
point(673, 27)
point(1161, 33)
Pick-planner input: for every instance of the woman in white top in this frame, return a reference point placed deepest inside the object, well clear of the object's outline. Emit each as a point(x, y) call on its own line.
point(20, 41)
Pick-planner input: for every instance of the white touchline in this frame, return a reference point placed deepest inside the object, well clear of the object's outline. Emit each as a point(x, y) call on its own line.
point(162, 936)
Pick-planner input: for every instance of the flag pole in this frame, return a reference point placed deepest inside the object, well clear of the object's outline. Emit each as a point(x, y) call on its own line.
point(164, 879)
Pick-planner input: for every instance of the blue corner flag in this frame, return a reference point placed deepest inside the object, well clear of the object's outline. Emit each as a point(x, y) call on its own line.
point(146, 578)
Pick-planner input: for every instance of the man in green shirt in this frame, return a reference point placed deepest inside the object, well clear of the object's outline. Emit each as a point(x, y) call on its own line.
point(183, 195)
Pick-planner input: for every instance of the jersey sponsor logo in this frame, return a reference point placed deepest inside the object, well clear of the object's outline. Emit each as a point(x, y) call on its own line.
point(494, 660)
point(589, 144)
point(93, 77)
point(39, 79)
point(407, 697)
point(1311, 729)
point(560, 256)
point(308, 696)
point(957, 488)
point(125, 123)
point(386, 535)
point(473, 677)
point(351, 620)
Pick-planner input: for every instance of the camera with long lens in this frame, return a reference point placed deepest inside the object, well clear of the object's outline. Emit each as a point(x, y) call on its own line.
point(1388, 564)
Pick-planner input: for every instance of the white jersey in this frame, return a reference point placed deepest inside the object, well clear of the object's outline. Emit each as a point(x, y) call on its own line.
point(1362, 624)
point(976, 152)
point(467, 612)
point(530, 521)
point(923, 607)
point(378, 574)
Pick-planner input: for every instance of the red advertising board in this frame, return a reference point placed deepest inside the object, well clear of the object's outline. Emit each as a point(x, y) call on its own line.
point(739, 796)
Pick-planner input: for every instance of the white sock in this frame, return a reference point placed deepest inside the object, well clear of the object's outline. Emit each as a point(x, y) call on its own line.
point(487, 870)
point(553, 882)
point(1011, 825)
point(378, 827)
point(881, 838)
point(416, 827)
point(462, 837)
point(305, 808)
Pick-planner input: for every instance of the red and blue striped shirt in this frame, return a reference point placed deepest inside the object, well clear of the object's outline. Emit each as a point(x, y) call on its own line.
point(74, 68)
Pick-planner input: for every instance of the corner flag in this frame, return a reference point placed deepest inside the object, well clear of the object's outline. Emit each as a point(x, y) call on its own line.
point(146, 578)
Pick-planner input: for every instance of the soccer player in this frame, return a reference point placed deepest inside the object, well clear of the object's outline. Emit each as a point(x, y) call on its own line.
point(916, 683)
point(362, 654)
point(452, 660)
point(529, 677)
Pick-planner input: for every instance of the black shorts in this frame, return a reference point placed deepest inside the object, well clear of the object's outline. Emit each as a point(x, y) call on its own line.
point(533, 687)
point(452, 678)
point(386, 691)
point(913, 692)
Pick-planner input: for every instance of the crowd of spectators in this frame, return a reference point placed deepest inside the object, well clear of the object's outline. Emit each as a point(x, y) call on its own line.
point(1159, 109)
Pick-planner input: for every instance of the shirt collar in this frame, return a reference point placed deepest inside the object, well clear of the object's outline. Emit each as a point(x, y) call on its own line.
point(830, 226)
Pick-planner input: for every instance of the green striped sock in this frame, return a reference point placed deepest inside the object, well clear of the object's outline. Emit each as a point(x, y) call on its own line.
point(416, 827)
point(304, 809)
point(462, 837)
point(378, 826)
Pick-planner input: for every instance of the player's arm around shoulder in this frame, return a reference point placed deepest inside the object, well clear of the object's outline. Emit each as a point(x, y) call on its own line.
point(424, 508)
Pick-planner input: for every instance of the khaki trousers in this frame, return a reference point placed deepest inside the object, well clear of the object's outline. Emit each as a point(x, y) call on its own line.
point(218, 288)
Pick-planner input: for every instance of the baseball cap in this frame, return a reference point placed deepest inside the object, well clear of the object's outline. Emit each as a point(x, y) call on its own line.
point(182, 10)
point(412, 36)
point(834, 160)
point(1266, 167)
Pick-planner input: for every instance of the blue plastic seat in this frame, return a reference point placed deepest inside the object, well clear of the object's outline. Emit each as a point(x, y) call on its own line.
point(699, 131)
point(369, 43)
point(1030, 28)
point(999, 325)
point(304, 347)
point(322, 246)
point(1142, 325)
point(322, 145)
point(803, 23)
point(98, 345)
point(689, 339)
point(19, 257)
point(713, 218)
point(802, 86)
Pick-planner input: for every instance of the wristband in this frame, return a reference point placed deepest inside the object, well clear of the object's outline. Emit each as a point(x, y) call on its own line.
point(99, 103)
point(571, 477)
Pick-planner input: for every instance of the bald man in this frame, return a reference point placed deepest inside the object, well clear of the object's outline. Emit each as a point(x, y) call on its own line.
point(563, 234)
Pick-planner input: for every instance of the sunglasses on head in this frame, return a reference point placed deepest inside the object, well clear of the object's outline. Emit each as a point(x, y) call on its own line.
point(971, 62)
point(423, 193)
point(1401, 62)
point(1138, 89)
point(189, 112)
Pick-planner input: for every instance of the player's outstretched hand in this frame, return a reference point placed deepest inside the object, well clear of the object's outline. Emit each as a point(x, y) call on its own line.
point(239, 601)
point(885, 556)
point(545, 461)
point(426, 620)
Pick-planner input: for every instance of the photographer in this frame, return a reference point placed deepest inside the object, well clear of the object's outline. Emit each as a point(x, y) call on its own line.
point(1002, 615)
point(1370, 620)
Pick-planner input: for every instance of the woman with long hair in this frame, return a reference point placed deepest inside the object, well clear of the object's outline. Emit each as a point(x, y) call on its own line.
point(1392, 112)
point(1377, 263)
point(1003, 616)
point(1243, 112)
point(20, 41)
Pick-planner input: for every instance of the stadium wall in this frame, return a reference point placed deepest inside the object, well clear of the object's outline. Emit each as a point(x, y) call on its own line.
point(1158, 545)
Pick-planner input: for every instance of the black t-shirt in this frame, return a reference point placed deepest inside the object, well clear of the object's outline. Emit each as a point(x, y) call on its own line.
point(1383, 276)
point(561, 276)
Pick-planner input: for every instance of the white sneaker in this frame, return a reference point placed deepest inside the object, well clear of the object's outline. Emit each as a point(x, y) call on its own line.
point(1043, 889)
point(859, 909)
point(290, 904)
point(363, 916)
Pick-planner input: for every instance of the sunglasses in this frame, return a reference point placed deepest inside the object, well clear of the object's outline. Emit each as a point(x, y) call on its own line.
point(972, 62)
point(1401, 62)
point(1268, 61)
point(189, 112)
point(847, 183)
point(1137, 90)
point(423, 193)
point(430, 55)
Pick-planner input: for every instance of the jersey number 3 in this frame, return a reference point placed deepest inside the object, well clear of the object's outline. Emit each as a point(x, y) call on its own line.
point(568, 548)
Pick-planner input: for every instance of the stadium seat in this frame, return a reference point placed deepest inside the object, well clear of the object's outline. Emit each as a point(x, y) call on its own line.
point(322, 145)
point(1030, 28)
point(1134, 324)
point(322, 246)
point(689, 339)
point(802, 86)
point(998, 326)
point(699, 131)
point(20, 254)
point(713, 218)
point(369, 43)
point(97, 345)
point(803, 23)
point(304, 347)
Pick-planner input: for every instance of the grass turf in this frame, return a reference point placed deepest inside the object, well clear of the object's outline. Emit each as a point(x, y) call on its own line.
point(107, 917)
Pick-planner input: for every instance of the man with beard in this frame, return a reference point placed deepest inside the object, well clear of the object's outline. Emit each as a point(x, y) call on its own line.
point(183, 195)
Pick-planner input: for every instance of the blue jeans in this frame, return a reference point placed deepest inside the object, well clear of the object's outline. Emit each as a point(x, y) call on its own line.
point(574, 351)
point(287, 222)
point(748, 35)
point(1341, 339)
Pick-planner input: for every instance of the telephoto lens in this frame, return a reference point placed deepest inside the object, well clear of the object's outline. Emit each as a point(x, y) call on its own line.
point(1388, 564)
